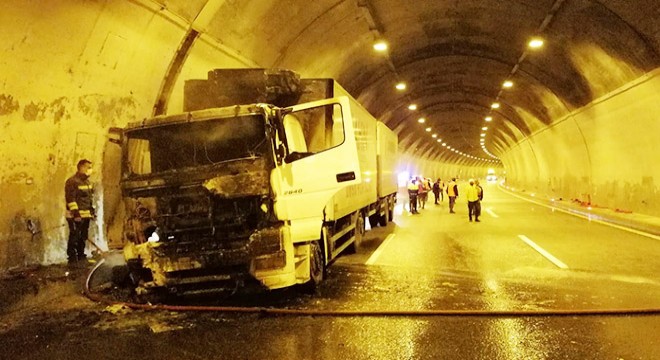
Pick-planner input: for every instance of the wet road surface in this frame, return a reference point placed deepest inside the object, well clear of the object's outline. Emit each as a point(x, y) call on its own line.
point(521, 256)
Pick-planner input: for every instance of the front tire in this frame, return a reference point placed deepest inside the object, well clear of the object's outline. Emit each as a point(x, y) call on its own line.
point(316, 267)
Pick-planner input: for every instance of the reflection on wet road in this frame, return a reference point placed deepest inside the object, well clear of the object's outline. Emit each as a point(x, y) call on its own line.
point(512, 260)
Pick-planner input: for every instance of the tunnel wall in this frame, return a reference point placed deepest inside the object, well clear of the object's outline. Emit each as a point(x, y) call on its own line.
point(604, 153)
point(66, 79)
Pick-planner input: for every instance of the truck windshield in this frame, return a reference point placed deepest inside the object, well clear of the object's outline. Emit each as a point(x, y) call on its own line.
point(200, 143)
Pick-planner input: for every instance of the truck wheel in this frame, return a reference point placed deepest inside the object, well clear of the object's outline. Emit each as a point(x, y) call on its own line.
point(316, 267)
point(382, 220)
point(359, 229)
point(374, 220)
point(390, 210)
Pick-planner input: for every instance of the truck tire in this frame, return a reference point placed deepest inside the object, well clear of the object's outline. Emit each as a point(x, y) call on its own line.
point(316, 267)
point(383, 219)
point(374, 220)
point(358, 233)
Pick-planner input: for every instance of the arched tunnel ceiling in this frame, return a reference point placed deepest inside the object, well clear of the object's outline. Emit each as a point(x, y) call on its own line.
point(453, 55)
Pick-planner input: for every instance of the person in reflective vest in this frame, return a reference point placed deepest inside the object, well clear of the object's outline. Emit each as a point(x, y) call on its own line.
point(472, 194)
point(452, 194)
point(413, 191)
point(78, 193)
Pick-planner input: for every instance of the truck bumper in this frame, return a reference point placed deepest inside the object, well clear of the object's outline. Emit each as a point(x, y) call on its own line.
point(265, 260)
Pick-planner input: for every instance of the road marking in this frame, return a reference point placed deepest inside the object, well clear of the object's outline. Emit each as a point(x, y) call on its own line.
point(376, 254)
point(491, 213)
point(541, 251)
point(590, 218)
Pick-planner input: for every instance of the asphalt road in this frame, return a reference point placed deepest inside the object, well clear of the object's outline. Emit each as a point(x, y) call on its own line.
point(521, 256)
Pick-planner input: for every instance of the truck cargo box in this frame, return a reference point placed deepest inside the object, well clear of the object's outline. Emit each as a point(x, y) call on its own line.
point(386, 147)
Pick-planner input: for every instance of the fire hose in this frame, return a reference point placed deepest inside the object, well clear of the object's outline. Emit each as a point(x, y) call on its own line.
point(365, 313)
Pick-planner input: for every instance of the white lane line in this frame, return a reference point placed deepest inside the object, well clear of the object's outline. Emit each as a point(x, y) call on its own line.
point(491, 213)
point(376, 254)
point(541, 251)
point(590, 218)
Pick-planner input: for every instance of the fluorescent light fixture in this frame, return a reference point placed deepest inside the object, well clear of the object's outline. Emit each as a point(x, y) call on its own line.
point(495, 105)
point(483, 135)
point(434, 136)
point(439, 140)
point(428, 129)
point(536, 43)
point(489, 118)
point(484, 128)
point(412, 107)
point(507, 84)
point(380, 45)
point(421, 120)
point(401, 86)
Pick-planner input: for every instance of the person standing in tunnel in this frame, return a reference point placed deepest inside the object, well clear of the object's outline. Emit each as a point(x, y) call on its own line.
point(480, 194)
point(437, 190)
point(472, 195)
point(423, 193)
point(78, 193)
point(452, 194)
point(413, 191)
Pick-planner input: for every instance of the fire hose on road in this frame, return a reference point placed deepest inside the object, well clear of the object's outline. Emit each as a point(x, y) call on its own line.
point(365, 313)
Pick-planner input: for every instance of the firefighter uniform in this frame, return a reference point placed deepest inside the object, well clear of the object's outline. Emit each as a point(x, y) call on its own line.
point(78, 193)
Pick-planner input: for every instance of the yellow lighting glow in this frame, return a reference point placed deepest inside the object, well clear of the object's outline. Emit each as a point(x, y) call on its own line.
point(507, 84)
point(401, 86)
point(484, 128)
point(412, 107)
point(380, 45)
point(483, 135)
point(439, 140)
point(489, 118)
point(495, 106)
point(444, 144)
point(421, 120)
point(434, 136)
point(428, 129)
point(535, 43)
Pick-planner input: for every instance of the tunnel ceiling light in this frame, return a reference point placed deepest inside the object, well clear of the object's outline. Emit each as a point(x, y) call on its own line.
point(439, 140)
point(495, 105)
point(444, 144)
point(434, 136)
point(421, 120)
point(489, 118)
point(428, 129)
point(535, 43)
point(484, 128)
point(483, 135)
point(380, 45)
point(507, 84)
point(401, 86)
point(412, 107)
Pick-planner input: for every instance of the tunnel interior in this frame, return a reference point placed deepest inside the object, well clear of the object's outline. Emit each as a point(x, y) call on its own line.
point(580, 120)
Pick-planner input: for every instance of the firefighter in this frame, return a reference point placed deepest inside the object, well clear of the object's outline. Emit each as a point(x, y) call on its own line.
point(413, 191)
point(78, 193)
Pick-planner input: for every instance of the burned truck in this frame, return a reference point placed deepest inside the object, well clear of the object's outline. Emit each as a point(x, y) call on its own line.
point(263, 179)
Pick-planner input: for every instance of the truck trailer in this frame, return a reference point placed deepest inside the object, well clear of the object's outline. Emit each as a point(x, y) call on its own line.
point(264, 178)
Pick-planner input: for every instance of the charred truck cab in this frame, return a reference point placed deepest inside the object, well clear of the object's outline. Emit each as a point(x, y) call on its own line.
point(221, 197)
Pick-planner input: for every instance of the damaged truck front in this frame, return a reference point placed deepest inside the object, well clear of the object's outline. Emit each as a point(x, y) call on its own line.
point(212, 196)
point(197, 192)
